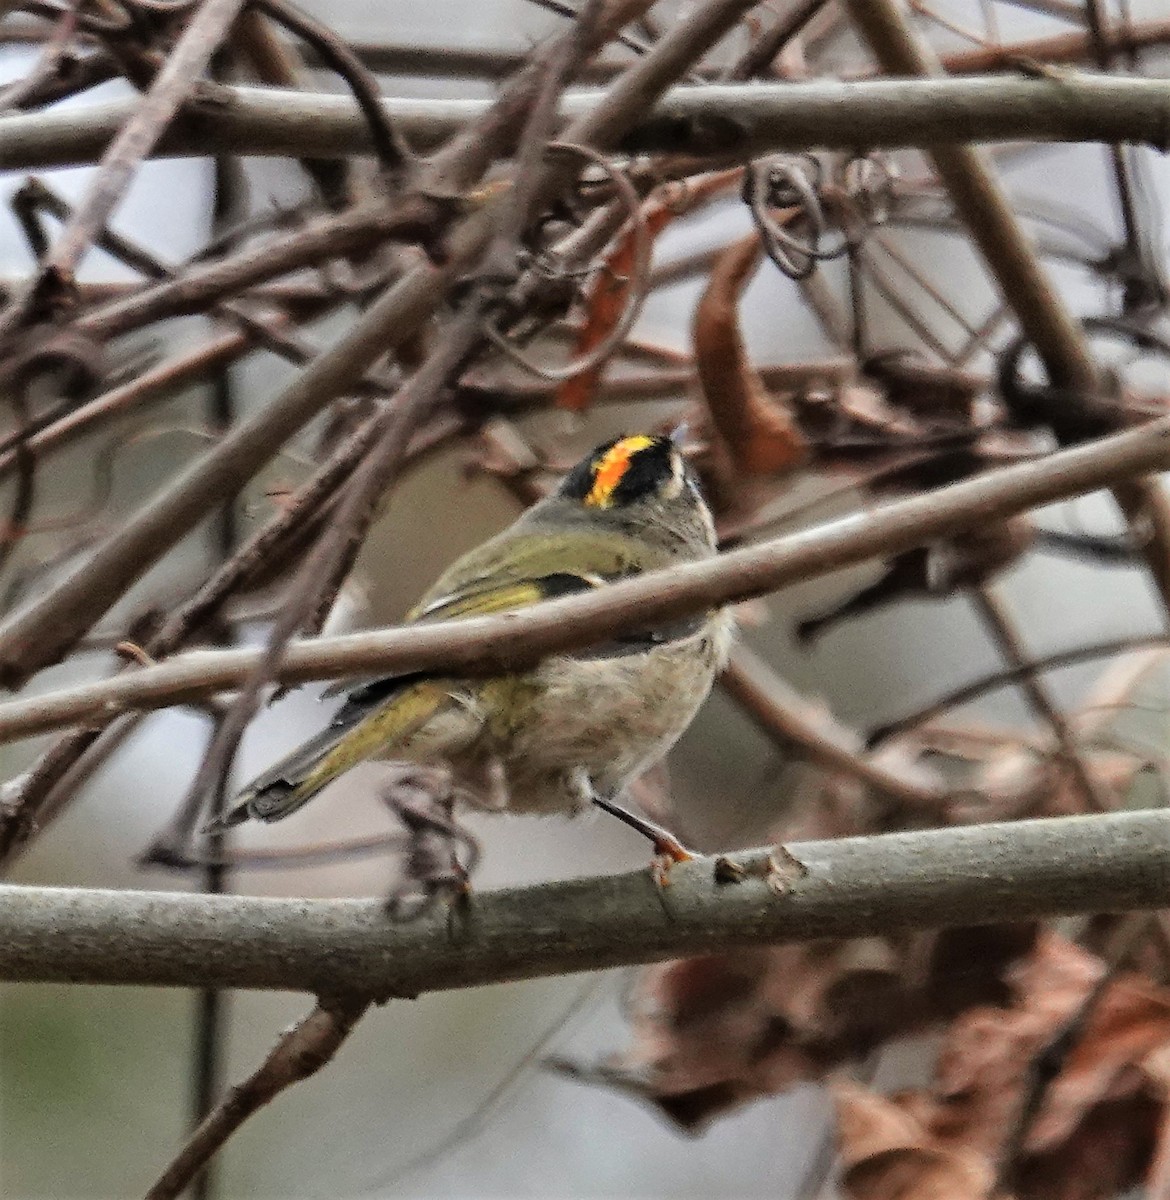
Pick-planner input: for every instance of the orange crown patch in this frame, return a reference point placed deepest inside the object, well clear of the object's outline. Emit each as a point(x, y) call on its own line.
point(610, 469)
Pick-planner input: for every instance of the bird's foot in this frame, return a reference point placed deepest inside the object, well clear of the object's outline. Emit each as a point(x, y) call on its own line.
point(668, 850)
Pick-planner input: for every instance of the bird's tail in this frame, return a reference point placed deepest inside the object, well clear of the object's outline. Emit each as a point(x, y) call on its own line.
point(285, 787)
point(374, 719)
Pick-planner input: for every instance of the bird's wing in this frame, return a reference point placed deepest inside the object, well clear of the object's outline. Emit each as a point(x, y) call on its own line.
point(363, 694)
point(366, 694)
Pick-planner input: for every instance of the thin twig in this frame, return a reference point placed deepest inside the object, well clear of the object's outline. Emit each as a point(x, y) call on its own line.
point(211, 1011)
point(1003, 630)
point(785, 716)
point(301, 1052)
point(137, 137)
point(1045, 319)
point(1012, 675)
point(44, 630)
point(321, 575)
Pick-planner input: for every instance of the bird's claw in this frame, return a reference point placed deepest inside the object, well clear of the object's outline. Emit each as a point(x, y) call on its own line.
point(668, 850)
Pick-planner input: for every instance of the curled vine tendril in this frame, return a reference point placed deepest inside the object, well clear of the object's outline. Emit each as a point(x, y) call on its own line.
point(782, 183)
point(555, 272)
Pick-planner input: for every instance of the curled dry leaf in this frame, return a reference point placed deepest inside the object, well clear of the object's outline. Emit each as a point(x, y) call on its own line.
point(888, 1154)
point(751, 432)
point(1098, 1128)
point(608, 298)
point(610, 292)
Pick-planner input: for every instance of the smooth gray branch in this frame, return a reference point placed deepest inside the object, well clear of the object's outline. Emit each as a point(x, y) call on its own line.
point(517, 639)
point(848, 887)
point(720, 120)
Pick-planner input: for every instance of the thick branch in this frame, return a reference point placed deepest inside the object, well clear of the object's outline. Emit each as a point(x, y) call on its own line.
point(517, 639)
point(850, 887)
point(740, 120)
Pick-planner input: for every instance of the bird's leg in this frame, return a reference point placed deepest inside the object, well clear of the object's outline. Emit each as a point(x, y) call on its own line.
point(423, 799)
point(668, 850)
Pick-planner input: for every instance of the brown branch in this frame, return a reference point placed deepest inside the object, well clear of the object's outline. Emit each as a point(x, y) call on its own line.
point(274, 62)
point(1013, 675)
point(392, 152)
point(511, 642)
point(758, 58)
point(983, 206)
point(268, 329)
point(1061, 48)
point(43, 631)
point(325, 568)
point(710, 121)
point(782, 713)
point(458, 162)
point(153, 385)
point(132, 145)
point(453, 62)
point(360, 228)
point(301, 1052)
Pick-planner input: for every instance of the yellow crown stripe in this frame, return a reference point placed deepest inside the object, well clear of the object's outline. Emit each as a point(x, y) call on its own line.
point(610, 469)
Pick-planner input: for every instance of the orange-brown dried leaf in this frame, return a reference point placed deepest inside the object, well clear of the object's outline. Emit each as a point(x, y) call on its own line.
point(889, 1154)
point(924, 1174)
point(610, 292)
point(869, 1124)
point(1121, 1052)
point(712, 1033)
point(1098, 1130)
point(1109, 1154)
point(608, 298)
point(756, 432)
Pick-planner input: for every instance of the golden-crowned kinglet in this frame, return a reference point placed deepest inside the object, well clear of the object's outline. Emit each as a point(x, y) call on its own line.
point(577, 728)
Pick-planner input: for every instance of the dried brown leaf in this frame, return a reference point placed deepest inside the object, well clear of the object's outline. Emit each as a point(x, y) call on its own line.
point(752, 431)
point(1101, 1126)
point(712, 1033)
point(610, 292)
point(889, 1154)
point(608, 297)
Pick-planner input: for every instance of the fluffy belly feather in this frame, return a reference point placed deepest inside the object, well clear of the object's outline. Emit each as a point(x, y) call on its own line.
point(593, 725)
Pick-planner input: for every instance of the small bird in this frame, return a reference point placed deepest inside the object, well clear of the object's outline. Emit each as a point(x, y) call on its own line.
point(577, 728)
